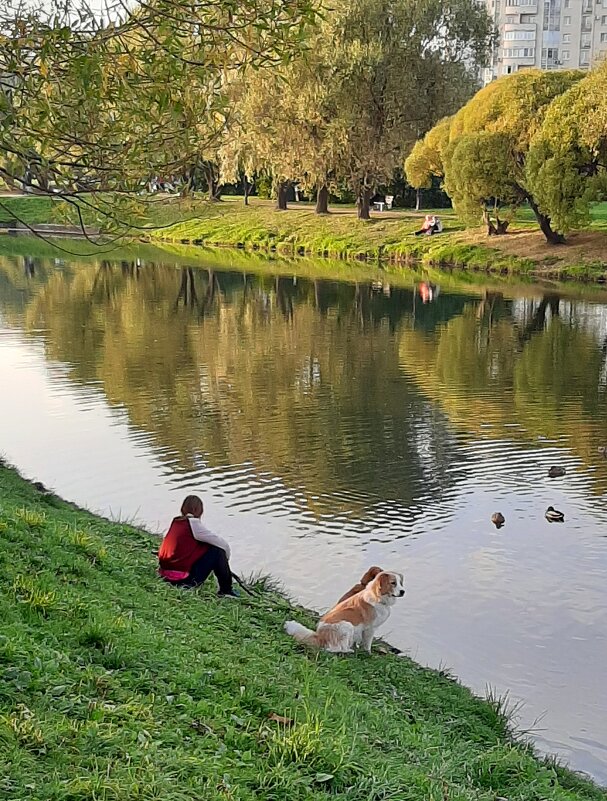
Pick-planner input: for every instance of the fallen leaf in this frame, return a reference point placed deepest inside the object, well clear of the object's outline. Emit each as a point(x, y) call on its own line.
point(279, 719)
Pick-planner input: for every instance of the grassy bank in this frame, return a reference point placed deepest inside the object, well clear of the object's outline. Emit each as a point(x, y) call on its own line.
point(116, 687)
point(388, 237)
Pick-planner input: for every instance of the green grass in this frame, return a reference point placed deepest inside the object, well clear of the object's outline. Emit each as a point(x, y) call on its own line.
point(299, 230)
point(115, 687)
point(31, 209)
point(388, 238)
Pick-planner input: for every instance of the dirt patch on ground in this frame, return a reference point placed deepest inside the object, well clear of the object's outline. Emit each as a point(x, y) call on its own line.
point(585, 247)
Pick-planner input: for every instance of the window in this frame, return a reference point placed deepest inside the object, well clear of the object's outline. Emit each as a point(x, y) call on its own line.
point(584, 59)
point(510, 35)
point(510, 18)
point(587, 6)
point(519, 52)
point(565, 55)
point(586, 23)
point(604, 37)
point(585, 41)
point(604, 20)
point(567, 20)
point(566, 38)
point(567, 4)
point(528, 19)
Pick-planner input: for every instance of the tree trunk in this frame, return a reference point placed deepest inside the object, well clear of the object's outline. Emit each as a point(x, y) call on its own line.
point(213, 186)
point(497, 228)
point(418, 199)
point(363, 204)
point(281, 195)
point(322, 200)
point(552, 237)
point(215, 190)
point(247, 189)
point(489, 223)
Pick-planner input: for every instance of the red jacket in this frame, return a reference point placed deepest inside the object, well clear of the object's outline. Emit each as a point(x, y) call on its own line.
point(179, 550)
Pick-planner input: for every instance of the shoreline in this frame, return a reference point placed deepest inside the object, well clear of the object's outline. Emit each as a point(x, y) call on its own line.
point(387, 240)
point(96, 651)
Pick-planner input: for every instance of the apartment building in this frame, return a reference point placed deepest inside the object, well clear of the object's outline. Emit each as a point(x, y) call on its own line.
point(547, 34)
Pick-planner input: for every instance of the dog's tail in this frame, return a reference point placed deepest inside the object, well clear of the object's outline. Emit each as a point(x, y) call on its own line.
point(302, 634)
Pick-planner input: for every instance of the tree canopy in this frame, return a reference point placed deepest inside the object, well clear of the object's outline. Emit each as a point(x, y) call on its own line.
point(567, 164)
point(348, 108)
point(483, 154)
point(91, 104)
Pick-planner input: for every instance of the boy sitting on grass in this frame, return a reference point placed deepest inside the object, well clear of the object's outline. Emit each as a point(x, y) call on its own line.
point(190, 552)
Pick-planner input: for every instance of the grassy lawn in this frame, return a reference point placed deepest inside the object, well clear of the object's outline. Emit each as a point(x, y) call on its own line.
point(388, 237)
point(30, 209)
point(116, 687)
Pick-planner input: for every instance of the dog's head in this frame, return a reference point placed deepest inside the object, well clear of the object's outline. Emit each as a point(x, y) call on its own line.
point(387, 586)
point(368, 577)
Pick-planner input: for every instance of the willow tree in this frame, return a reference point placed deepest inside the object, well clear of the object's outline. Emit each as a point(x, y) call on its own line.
point(92, 105)
point(567, 162)
point(485, 161)
point(397, 68)
point(425, 161)
point(281, 126)
point(374, 73)
point(285, 124)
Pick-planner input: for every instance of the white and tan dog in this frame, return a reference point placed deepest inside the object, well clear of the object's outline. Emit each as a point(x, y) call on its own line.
point(353, 622)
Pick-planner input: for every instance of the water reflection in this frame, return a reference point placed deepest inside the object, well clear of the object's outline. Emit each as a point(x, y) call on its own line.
point(300, 379)
point(334, 423)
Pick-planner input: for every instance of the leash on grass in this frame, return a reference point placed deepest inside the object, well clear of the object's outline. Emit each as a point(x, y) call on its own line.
point(238, 580)
point(258, 594)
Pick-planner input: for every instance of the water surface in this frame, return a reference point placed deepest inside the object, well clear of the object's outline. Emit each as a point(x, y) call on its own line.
point(334, 424)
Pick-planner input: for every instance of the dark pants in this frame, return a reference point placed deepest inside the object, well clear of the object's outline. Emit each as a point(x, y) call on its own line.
point(214, 561)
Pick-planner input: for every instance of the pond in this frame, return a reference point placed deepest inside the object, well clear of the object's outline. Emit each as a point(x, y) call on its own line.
point(334, 424)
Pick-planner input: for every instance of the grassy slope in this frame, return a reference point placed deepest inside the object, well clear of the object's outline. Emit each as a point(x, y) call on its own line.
point(390, 235)
point(116, 687)
point(340, 234)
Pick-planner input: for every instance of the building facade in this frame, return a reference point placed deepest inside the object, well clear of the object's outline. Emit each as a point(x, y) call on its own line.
point(547, 34)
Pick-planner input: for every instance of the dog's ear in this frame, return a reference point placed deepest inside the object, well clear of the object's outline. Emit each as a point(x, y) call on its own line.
point(370, 575)
point(385, 583)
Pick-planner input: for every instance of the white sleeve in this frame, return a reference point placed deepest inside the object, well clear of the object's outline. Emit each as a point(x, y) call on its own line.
point(202, 534)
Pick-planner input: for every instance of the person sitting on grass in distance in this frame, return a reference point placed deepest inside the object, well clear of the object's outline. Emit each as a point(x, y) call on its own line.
point(190, 552)
point(426, 225)
point(431, 225)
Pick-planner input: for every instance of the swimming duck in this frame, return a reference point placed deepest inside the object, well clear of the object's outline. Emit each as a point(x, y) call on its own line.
point(556, 471)
point(554, 516)
point(498, 519)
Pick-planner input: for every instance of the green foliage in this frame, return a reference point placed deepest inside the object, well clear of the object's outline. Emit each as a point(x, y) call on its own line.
point(264, 187)
point(426, 158)
point(341, 115)
point(129, 689)
point(479, 173)
point(495, 129)
point(90, 104)
point(567, 166)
